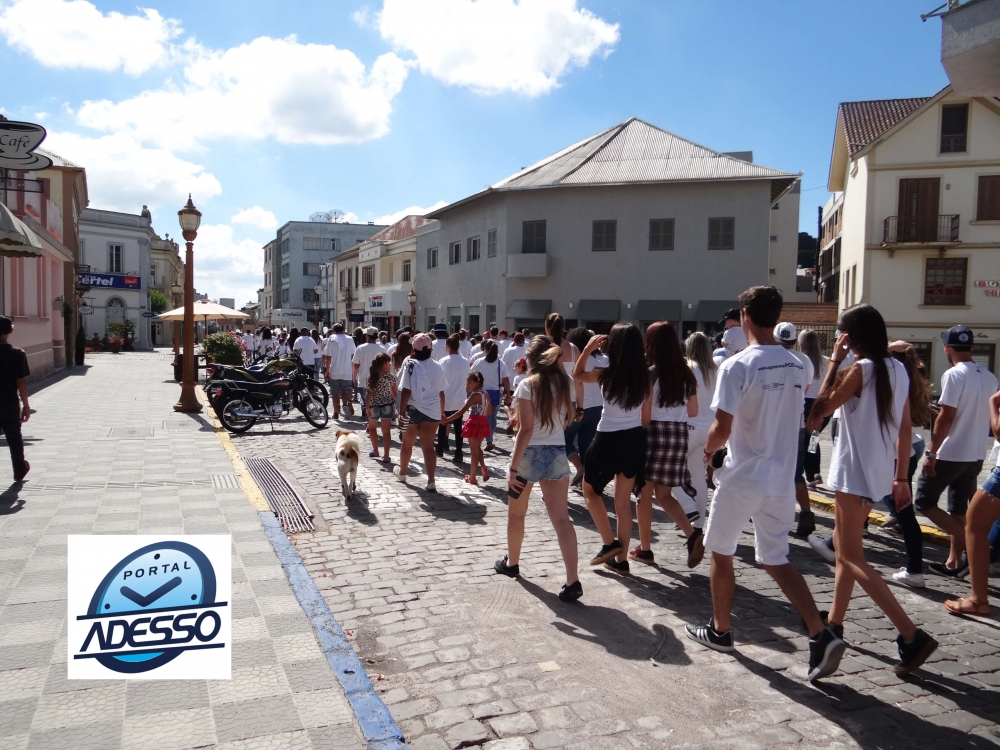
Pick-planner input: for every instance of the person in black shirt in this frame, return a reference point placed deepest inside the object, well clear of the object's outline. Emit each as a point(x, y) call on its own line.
point(13, 397)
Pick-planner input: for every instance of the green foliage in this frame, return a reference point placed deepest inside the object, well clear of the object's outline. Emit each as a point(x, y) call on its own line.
point(121, 330)
point(807, 250)
point(158, 301)
point(225, 348)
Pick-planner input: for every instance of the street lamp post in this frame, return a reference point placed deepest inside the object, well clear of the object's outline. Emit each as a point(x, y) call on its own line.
point(412, 299)
point(190, 220)
point(319, 290)
point(176, 292)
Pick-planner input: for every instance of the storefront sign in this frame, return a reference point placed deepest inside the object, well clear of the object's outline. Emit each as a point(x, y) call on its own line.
point(991, 287)
point(393, 300)
point(356, 318)
point(109, 281)
point(376, 301)
point(18, 140)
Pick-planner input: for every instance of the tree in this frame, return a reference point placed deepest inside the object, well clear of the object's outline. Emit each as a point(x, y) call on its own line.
point(807, 250)
point(158, 301)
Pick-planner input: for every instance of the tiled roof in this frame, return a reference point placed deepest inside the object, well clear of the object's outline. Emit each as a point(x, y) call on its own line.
point(866, 121)
point(405, 227)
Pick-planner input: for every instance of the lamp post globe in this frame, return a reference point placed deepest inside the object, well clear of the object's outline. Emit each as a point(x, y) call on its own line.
point(411, 297)
point(190, 219)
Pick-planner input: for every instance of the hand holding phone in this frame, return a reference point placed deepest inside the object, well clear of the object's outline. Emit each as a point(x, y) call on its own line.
point(515, 485)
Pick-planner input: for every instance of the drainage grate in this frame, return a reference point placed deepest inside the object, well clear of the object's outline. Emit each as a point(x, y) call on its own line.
point(286, 505)
point(131, 432)
point(225, 482)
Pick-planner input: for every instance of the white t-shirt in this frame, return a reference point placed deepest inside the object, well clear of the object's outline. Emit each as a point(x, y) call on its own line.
point(340, 349)
point(493, 373)
point(813, 390)
point(513, 354)
point(667, 413)
point(810, 375)
point(282, 350)
point(517, 381)
point(592, 391)
point(465, 348)
point(364, 355)
point(456, 372)
point(425, 381)
point(864, 456)
point(266, 346)
point(307, 349)
point(734, 340)
point(706, 414)
point(250, 342)
point(615, 418)
point(539, 434)
point(763, 388)
point(439, 350)
point(503, 344)
point(967, 387)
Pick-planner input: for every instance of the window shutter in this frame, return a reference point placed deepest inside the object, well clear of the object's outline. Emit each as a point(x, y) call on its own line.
point(988, 205)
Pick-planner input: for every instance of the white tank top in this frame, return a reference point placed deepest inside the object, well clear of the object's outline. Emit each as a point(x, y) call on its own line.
point(864, 456)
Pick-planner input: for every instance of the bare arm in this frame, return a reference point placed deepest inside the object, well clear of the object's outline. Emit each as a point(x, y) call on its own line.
point(942, 426)
point(580, 366)
point(692, 407)
point(577, 384)
point(526, 419)
point(718, 433)
point(834, 393)
point(22, 391)
point(995, 413)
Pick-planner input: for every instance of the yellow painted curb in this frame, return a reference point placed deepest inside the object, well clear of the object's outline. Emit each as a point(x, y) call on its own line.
point(931, 533)
point(243, 476)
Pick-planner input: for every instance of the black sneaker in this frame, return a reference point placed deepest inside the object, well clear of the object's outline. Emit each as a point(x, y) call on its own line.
point(511, 571)
point(439, 452)
point(914, 653)
point(825, 652)
point(707, 635)
point(621, 568)
point(459, 458)
point(807, 523)
point(571, 592)
point(942, 569)
point(607, 552)
point(695, 548)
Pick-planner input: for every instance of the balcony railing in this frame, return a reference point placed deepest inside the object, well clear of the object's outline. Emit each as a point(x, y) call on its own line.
point(899, 229)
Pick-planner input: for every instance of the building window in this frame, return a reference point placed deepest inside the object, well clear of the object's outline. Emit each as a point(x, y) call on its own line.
point(491, 315)
point(954, 128)
point(389, 274)
point(774, 207)
point(945, 281)
point(407, 273)
point(310, 269)
point(604, 236)
point(284, 247)
point(284, 296)
point(774, 238)
point(721, 233)
point(432, 257)
point(367, 276)
point(285, 270)
point(341, 279)
point(985, 355)
point(661, 234)
point(533, 237)
point(310, 296)
point(491, 243)
point(115, 259)
point(454, 253)
point(472, 248)
point(319, 243)
point(988, 205)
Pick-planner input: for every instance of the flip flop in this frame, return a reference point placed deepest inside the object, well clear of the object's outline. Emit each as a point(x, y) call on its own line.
point(469, 480)
point(966, 606)
point(372, 454)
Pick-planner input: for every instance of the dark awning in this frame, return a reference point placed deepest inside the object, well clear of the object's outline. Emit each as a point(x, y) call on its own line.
point(602, 310)
point(712, 310)
point(658, 309)
point(529, 309)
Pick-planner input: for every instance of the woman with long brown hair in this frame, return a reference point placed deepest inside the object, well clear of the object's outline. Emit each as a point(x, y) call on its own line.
point(665, 416)
point(868, 462)
point(399, 354)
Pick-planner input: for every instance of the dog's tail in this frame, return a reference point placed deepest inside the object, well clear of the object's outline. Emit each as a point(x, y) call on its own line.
point(350, 453)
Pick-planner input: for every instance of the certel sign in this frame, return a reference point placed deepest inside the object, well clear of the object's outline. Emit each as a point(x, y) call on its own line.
point(109, 280)
point(18, 141)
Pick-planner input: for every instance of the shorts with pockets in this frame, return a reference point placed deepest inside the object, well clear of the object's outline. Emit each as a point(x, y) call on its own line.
point(384, 411)
point(960, 478)
point(340, 386)
point(544, 462)
point(992, 483)
point(415, 416)
point(773, 517)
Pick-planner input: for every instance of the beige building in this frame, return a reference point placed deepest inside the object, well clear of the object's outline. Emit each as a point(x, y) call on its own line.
point(167, 270)
point(919, 184)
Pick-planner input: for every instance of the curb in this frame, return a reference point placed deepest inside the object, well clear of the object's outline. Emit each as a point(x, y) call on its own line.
point(931, 534)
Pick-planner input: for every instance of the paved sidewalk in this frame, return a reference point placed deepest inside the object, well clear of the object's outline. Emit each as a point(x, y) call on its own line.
point(472, 658)
point(109, 456)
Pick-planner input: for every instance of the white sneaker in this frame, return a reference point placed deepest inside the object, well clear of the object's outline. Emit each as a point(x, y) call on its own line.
point(818, 544)
point(431, 487)
point(398, 474)
point(913, 580)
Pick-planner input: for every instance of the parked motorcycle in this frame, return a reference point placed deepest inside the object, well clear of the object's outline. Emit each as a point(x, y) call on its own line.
point(240, 403)
point(262, 370)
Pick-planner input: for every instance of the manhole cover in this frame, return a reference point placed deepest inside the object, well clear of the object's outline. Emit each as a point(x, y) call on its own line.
point(124, 433)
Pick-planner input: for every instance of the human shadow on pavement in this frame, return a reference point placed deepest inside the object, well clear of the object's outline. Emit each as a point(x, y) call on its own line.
point(873, 723)
point(10, 499)
point(611, 629)
point(448, 508)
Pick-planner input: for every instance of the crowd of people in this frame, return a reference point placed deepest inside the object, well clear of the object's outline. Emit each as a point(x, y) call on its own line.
point(682, 423)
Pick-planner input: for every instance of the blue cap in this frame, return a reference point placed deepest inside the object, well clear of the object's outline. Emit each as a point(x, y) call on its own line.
point(958, 336)
point(441, 327)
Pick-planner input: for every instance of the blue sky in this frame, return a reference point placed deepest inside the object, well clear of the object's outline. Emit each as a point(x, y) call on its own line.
point(376, 107)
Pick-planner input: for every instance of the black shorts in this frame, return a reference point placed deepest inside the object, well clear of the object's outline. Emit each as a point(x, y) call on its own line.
point(612, 453)
point(960, 478)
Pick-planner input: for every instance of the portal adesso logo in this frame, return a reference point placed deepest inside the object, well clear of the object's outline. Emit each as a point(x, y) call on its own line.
point(149, 607)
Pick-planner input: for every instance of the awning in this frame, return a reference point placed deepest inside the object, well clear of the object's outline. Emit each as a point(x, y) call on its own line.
point(601, 310)
point(529, 309)
point(712, 310)
point(16, 239)
point(658, 309)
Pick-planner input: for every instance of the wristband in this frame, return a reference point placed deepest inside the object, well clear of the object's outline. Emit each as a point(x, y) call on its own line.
point(904, 481)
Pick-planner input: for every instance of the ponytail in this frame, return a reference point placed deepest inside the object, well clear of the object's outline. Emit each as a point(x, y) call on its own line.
point(554, 327)
point(373, 371)
point(550, 386)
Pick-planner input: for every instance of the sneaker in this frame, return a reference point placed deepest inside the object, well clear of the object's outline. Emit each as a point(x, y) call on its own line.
point(943, 569)
point(707, 635)
point(644, 556)
point(20, 477)
point(815, 482)
point(890, 523)
point(825, 652)
point(621, 568)
point(400, 476)
point(694, 517)
point(431, 487)
point(570, 592)
point(439, 452)
point(821, 548)
point(607, 552)
point(914, 653)
point(913, 580)
point(511, 571)
point(696, 548)
point(459, 458)
point(807, 523)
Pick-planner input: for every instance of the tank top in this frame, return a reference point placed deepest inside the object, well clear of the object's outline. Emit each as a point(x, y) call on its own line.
point(478, 409)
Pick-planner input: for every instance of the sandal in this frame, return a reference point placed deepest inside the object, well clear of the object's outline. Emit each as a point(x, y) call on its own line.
point(966, 606)
point(469, 480)
point(372, 454)
point(486, 473)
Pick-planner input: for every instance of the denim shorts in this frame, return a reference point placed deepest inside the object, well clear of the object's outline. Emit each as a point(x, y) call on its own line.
point(418, 417)
point(544, 462)
point(340, 386)
point(384, 411)
point(992, 483)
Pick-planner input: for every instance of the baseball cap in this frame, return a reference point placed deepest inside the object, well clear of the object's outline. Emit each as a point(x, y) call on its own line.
point(957, 336)
point(733, 313)
point(441, 327)
point(371, 331)
point(785, 333)
point(422, 341)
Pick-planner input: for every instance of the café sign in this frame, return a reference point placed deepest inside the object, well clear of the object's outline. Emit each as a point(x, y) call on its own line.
point(18, 141)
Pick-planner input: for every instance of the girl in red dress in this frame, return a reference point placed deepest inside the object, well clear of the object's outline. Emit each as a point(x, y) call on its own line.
point(477, 426)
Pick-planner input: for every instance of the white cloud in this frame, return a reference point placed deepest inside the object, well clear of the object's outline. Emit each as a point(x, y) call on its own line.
point(412, 210)
point(494, 46)
point(75, 34)
point(274, 89)
point(225, 266)
point(122, 175)
point(256, 217)
point(361, 17)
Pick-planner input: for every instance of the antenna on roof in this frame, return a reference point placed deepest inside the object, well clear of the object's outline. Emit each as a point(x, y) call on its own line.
point(333, 216)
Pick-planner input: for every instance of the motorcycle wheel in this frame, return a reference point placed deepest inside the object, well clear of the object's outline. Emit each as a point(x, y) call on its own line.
point(319, 392)
point(315, 413)
point(231, 420)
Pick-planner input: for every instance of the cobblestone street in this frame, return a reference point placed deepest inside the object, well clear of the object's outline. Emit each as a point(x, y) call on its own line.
point(469, 658)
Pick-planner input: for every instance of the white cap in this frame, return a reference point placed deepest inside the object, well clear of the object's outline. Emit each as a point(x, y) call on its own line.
point(785, 333)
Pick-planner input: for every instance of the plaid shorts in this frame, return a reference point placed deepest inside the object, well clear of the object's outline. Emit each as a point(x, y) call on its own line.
point(667, 455)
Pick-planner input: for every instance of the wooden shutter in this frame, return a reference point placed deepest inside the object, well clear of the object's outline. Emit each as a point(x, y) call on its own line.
point(988, 205)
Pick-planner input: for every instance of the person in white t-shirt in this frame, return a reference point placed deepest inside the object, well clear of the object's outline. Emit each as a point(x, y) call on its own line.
point(362, 360)
point(870, 460)
point(422, 402)
point(502, 340)
point(464, 345)
point(734, 340)
point(266, 345)
point(456, 371)
point(307, 350)
point(758, 402)
point(250, 345)
point(786, 335)
point(439, 349)
point(496, 383)
point(580, 434)
point(338, 353)
point(513, 352)
point(544, 408)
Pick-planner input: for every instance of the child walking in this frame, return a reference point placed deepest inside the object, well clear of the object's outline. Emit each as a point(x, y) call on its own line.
point(381, 403)
point(477, 426)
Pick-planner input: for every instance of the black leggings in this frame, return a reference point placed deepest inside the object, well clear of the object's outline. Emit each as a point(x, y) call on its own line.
point(912, 537)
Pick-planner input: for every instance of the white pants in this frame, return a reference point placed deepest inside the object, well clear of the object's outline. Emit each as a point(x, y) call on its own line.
point(696, 466)
point(773, 517)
